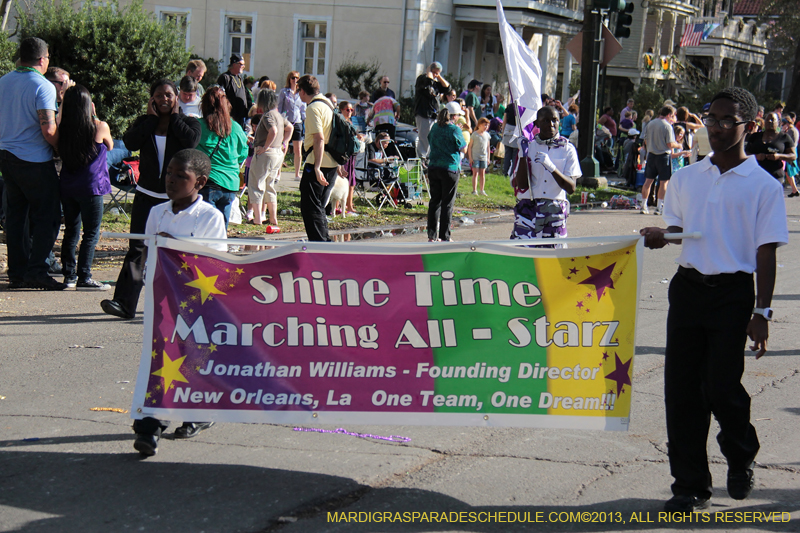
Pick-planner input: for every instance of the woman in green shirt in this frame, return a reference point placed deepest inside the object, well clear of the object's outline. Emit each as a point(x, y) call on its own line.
point(224, 142)
point(446, 144)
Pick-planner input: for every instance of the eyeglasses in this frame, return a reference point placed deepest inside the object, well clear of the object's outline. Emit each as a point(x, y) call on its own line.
point(295, 78)
point(725, 123)
point(348, 110)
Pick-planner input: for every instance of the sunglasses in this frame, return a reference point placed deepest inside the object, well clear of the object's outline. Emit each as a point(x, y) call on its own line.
point(295, 78)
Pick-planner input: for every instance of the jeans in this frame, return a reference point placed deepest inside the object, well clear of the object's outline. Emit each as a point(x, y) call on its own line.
point(313, 197)
point(423, 127)
point(443, 186)
point(508, 159)
point(86, 211)
point(31, 189)
point(220, 199)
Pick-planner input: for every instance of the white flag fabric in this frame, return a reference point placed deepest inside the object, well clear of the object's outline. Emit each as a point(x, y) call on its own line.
point(524, 71)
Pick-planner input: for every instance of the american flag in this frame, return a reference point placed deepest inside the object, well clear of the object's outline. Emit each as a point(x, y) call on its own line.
point(692, 34)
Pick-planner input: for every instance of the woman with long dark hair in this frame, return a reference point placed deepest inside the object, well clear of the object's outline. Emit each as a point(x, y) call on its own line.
point(223, 140)
point(158, 134)
point(446, 143)
point(83, 143)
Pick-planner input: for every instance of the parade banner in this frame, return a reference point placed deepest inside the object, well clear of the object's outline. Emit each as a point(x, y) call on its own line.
point(491, 334)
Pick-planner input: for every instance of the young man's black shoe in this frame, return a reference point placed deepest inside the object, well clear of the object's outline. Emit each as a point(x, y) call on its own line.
point(741, 482)
point(686, 504)
point(191, 429)
point(146, 445)
point(114, 308)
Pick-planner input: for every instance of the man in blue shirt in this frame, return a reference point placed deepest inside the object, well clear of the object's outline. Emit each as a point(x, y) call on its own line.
point(28, 134)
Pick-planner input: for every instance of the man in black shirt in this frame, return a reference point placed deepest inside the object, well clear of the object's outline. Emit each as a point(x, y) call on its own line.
point(384, 84)
point(426, 106)
point(233, 83)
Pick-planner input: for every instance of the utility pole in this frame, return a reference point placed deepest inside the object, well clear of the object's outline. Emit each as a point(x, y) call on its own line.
point(590, 70)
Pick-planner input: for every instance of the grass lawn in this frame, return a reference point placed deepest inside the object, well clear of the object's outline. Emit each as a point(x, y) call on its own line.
point(500, 197)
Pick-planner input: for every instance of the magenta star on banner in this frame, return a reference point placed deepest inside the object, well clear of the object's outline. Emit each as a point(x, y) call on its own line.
point(620, 374)
point(601, 279)
point(579, 305)
point(573, 270)
point(605, 356)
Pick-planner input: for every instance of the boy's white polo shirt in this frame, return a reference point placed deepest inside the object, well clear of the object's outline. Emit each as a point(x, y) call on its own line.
point(200, 219)
point(736, 212)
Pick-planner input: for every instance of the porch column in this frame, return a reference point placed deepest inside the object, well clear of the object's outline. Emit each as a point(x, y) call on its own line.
point(567, 77)
point(544, 54)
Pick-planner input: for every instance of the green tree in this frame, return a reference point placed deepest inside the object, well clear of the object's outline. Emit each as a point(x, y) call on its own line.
point(7, 53)
point(116, 53)
point(784, 19)
point(648, 96)
point(355, 76)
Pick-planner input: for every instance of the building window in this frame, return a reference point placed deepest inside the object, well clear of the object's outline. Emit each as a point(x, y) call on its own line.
point(240, 38)
point(177, 19)
point(314, 42)
point(441, 39)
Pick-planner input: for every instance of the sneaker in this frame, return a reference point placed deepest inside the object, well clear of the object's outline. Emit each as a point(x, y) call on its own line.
point(645, 211)
point(46, 283)
point(475, 193)
point(71, 283)
point(92, 285)
point(17, 284)
point(658, 212)
point(741, 482)
point(483, 193)
point(686, 504)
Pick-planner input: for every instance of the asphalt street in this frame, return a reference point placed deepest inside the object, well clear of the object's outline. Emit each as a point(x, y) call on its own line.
point(67, 468)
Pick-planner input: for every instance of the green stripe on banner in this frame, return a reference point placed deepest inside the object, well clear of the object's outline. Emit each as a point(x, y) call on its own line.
point(484, 355)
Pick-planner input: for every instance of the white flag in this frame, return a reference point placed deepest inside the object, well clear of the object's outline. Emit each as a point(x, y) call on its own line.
point(524, 71)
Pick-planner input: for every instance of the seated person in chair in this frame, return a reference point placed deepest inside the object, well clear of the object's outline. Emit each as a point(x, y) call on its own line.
point(377, 158)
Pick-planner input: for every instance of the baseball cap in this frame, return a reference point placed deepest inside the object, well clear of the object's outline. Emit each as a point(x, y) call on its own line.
point(236, 58)
point(454, 108)
point(632, 132)
point(706, 107)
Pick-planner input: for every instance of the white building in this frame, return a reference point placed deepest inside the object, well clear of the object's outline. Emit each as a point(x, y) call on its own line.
point(405, 36)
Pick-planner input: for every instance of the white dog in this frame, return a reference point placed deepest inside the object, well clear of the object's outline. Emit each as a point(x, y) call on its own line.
point(339, 195)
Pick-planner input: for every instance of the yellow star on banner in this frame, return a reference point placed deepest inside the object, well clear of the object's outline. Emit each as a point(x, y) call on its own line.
point(171, 371)
point(240, 271)
point(183, 305)
point(205, 284)
point(212, 347)
point(166, 339)
point(147, 395)
point(195, 257)
point(185, 265)
point(179, 272)
point(231, 285)
point(153, 354)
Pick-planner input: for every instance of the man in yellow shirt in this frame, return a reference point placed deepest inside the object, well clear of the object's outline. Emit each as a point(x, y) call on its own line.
point(319, 170)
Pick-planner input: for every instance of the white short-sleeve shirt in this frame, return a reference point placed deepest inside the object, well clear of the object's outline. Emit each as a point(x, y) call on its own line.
point(736, 212)
point(565, 158)
point(200, 219)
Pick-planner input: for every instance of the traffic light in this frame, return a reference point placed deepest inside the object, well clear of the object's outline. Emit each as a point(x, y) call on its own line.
point(624, 20)
point(610, 5)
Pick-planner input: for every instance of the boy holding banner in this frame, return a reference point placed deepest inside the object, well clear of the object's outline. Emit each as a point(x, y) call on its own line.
point(185, 215)
point(546, 171)
point(739, 210)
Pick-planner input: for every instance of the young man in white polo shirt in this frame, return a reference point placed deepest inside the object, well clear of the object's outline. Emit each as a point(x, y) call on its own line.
point(739, 210)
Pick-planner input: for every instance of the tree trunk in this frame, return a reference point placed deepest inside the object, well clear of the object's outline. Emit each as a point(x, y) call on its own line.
point(793, 101)
point(6, 7)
